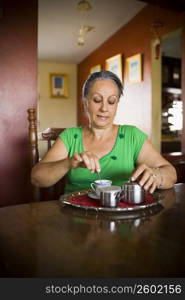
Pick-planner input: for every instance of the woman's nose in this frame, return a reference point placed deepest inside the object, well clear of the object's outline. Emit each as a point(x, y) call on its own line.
point(104, 106)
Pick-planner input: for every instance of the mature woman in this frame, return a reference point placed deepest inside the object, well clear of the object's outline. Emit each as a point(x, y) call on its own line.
point(119, 152)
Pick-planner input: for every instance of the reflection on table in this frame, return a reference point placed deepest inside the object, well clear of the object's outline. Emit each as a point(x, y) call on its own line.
point(46, 239)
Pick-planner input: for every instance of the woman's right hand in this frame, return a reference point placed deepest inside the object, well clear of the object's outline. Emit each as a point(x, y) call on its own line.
point(85, 160)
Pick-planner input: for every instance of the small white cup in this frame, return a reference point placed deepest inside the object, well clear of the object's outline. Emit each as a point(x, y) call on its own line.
point(98, 184)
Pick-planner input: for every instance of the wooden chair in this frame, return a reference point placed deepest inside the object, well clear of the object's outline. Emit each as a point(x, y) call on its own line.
point(50, 135)
point(51, 193)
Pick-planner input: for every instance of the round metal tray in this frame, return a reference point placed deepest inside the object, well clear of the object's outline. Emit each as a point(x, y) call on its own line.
point(67, 200)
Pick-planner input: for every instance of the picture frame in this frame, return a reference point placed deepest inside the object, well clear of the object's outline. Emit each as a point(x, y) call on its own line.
point(96, 68)
point(134, 68)
point(114, 64)
point(58, 85)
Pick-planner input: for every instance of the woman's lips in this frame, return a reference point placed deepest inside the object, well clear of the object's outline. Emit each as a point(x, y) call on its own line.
point(102, 117)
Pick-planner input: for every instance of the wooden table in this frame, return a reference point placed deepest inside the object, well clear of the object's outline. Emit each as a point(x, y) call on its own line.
point(46, 240)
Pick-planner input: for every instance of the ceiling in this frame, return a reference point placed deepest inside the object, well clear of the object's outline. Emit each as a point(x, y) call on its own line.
point(59, 22)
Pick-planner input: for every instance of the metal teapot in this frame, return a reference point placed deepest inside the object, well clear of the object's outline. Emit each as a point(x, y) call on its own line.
point(132, 193)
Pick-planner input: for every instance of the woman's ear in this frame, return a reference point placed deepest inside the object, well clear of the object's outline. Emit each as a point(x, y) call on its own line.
point(85, 102)
point(86, 108)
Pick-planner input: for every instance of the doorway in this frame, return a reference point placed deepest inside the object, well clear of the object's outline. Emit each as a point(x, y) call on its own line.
point(171, 100)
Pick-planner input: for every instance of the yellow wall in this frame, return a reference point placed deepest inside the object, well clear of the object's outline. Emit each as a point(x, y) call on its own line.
point(54, 112)
point(156, 98)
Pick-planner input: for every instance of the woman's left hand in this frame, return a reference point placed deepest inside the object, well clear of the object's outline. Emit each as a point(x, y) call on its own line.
point(146, 177)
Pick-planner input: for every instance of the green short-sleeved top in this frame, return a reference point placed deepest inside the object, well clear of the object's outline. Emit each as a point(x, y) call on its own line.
point(117, 165)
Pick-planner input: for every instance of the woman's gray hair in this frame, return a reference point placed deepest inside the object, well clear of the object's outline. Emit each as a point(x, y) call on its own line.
point(102, 75)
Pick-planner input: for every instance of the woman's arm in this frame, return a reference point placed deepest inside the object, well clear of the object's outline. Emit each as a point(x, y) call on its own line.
point(56, 164)
point(153, 171)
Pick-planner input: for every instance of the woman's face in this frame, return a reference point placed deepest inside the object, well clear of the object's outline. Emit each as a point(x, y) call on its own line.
point(102, 103)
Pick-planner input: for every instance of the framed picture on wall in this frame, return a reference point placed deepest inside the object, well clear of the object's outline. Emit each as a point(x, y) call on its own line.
point(114, 64)
point(58, 85)
point(134, 68)
point(96, 68)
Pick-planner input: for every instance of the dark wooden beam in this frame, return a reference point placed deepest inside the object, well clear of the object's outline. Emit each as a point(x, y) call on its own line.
point(175, 5)
point(1, 9)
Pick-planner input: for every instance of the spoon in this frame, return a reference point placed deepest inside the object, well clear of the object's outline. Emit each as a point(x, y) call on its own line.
point(99, 177)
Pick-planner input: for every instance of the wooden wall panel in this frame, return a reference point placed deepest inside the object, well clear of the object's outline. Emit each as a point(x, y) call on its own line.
point(18, 92)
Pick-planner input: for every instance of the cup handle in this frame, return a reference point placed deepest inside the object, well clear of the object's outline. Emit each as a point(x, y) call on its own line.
point(121, 195)
point(92, 186)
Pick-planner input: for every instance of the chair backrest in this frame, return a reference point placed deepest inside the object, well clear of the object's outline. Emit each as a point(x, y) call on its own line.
point(48, 135)
point(32, 134)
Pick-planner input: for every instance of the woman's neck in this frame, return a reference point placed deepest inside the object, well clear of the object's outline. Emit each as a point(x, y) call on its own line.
point(101, 133)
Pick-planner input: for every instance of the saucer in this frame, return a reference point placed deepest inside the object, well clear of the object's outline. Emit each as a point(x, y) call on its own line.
point(93, 195)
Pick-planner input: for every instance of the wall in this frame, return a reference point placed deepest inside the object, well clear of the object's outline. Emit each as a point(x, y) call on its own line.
point(156, 97)
point(135, 37)
point(55, 112)
point(18, 84)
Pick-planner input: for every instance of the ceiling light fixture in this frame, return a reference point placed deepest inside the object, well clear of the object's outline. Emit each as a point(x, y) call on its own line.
point(156, 27)
point(157, 24)
point(84, 29)
point(84, 7)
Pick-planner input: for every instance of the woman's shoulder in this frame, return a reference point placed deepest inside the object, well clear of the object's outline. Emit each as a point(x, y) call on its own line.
point(71, 131)
point(131, 130)
point(127, 128)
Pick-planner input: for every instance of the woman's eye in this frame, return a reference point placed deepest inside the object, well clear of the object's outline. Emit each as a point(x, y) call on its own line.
point(97, 100)
point(112, 101)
